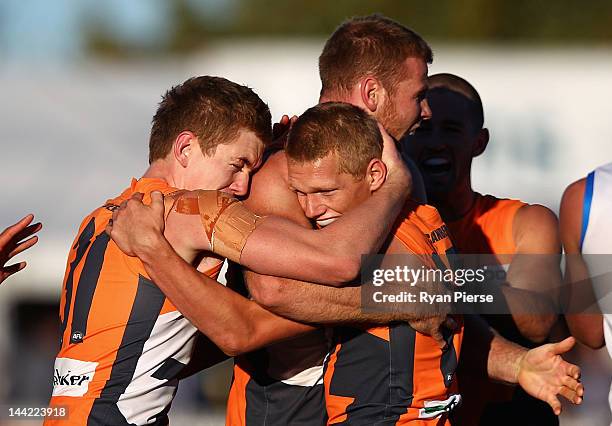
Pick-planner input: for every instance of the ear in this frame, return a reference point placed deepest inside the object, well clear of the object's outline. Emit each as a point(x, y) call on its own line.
point(181, 149)
point(370, 93)
point(376, 173)
point(482, 139)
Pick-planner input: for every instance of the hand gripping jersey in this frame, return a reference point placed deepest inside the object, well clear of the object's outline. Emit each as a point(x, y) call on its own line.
point(596, 239)
point(487, 229)
point(392, 375)
point(122, 342)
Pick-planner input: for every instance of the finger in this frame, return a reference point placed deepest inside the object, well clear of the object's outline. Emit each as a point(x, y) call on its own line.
point(554, 403)
point(109, 228)
point(137, 196)
point(11, 269)
point(572, 370)
point(570, 383)
point(284, 119)
point(23, 246)
point(26, 232)
point(563, 346)
point(293, 119)
point(570, 395)
point(157, 202)
point(12, 230)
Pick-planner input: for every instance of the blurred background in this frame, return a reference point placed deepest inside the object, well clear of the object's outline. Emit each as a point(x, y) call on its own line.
point(81, 79)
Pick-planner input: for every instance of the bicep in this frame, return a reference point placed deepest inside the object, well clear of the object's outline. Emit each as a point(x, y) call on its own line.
point(186, 233)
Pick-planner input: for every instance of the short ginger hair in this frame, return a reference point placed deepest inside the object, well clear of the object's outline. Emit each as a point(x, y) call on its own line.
point(336, 128)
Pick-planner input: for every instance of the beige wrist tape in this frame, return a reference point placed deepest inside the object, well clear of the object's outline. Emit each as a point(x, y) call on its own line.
point(226, 221)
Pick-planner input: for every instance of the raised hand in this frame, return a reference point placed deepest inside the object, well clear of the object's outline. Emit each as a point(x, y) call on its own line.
point(544, 374)
point(280, 131)
point(12, 243)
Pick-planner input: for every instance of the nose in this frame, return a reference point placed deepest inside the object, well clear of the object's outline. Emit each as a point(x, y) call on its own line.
point(313, 208)
point(240, 185)
point(425, 110)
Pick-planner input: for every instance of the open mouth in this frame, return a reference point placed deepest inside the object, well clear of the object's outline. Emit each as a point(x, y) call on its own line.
point(436, 165)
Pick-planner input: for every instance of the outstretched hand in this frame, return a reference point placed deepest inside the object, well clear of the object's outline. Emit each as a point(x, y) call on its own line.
point(544, 374)
point(136, 227)
point(12, 243)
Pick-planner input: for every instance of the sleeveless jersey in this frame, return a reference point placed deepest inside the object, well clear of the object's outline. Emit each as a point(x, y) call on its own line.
point(596, 239)
point(392, 374)
point(122, 342)
point(487, 229)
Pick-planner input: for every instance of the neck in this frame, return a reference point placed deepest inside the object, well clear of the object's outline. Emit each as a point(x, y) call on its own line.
point(160, 169)
point(456, 204)
point(335, 97)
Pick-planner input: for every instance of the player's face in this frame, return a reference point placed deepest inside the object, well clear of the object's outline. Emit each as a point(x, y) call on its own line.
point(230, 167)
point(442, 146)
point(323, 192)
point(406, 106)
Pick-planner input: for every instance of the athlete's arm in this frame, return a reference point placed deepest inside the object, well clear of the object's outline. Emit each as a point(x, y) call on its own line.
point(578, 294)
point(205, 354)
point(312, 303)
point(534, 274)
point(541, 371)
point(272, 245)
point(234, 323)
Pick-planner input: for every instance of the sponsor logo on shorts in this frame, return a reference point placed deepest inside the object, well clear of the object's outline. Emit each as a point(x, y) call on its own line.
point(71, 377)
point(434, 408)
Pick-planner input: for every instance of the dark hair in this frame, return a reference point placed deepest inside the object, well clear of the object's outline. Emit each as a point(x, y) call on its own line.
point(214, 109)
point(336, 128)
point(463, 87)
point(369, 45)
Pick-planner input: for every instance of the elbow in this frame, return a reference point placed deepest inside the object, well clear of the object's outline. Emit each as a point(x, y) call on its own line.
point(540, 331)
point(234, 344)
point(268, 295)
point(591, 340)
point(342, 270)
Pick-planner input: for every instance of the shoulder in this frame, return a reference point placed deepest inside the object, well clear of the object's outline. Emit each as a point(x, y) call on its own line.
point(536, 228)
point(573, 195)
point(570, 215)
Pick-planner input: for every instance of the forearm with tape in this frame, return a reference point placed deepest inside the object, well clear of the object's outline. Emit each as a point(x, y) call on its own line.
point(226, 221)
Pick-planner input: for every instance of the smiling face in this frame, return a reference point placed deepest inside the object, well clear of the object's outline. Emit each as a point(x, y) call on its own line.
point(325, 193)
point(229, 168)
point(443, 146)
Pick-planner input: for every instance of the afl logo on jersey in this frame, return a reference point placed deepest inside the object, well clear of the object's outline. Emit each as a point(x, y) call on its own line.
point(77, 337)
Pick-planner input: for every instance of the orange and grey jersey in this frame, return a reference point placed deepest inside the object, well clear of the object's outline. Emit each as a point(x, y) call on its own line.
point(281, 384)
point(122, 342)
point(393, 375)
